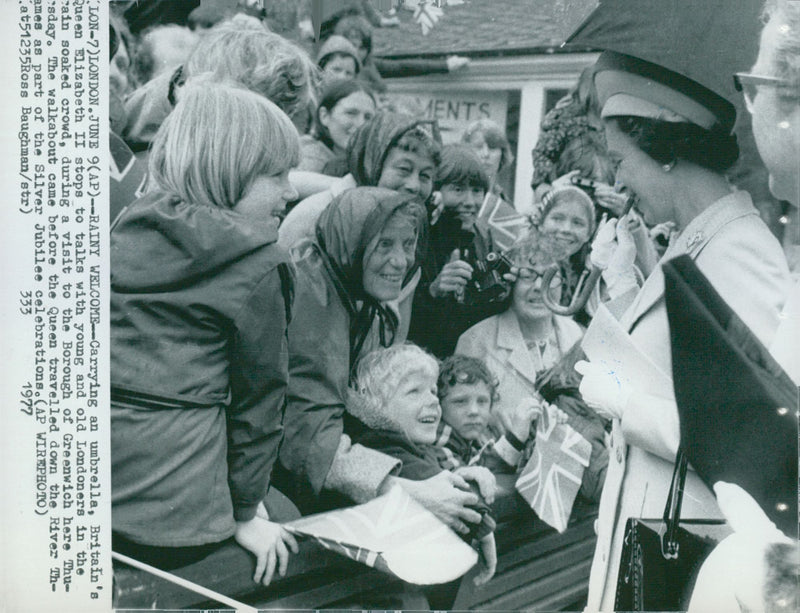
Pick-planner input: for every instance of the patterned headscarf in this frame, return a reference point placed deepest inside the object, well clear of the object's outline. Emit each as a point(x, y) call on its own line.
point(369, 146)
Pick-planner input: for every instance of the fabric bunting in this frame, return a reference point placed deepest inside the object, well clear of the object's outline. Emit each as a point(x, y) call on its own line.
point(552, 477)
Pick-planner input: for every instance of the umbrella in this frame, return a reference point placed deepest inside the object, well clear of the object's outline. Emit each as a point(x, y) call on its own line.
point(322, 10)
point(705, 42)
point(738, 408)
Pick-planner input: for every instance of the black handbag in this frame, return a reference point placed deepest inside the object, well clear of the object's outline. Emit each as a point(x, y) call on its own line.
point(661, 557)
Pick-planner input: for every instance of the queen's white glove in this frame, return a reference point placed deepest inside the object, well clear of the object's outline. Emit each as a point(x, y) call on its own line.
point(603, 390)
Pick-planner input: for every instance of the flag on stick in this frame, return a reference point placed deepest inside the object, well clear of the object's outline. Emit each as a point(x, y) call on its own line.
point(552, 477)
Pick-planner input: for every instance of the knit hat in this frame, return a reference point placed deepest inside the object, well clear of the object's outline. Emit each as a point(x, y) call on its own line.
point(568, 192)
point(337, 44)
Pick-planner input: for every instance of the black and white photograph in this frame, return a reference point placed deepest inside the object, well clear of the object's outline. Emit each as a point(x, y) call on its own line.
point(425, 305)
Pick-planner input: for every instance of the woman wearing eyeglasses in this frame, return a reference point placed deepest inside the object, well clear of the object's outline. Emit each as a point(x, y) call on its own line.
point(527, 338)
point(671, 138)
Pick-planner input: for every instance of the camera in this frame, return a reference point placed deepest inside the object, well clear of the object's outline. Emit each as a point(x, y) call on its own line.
point(487, 524)
point(487, 283)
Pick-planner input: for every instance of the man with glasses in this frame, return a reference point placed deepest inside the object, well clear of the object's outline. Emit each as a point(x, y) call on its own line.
point(757, 568)
point(772, 94)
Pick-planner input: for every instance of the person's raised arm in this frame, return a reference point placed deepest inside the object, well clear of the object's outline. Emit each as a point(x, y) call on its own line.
point(308, 183)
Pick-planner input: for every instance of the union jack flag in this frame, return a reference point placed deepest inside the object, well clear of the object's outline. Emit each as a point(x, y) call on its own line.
point(552, 477)
point(395, 534)
point(505, 223)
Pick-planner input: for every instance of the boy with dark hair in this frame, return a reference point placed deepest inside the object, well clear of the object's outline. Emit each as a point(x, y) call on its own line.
point(459, 287)
point(470, 433)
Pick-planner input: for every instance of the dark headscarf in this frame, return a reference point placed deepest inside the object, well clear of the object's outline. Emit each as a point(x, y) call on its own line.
point(369, 146)
point(343, 232)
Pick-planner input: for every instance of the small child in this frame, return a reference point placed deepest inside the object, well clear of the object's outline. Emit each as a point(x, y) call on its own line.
point(395, 397)
point(469, 431)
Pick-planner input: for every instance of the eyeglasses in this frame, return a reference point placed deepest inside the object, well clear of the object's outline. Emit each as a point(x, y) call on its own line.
point(534, 276)
point(748, 84)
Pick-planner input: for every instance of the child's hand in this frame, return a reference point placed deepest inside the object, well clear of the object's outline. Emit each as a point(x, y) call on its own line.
point(268, 542)
point(483, 477)
point(452, 278)
point(519, 419)
point(488, 559)
point(554, 413)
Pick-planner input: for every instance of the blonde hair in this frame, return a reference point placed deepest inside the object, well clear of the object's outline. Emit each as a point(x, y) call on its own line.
point(379, 373)
point(217, 141)
point(261, 61)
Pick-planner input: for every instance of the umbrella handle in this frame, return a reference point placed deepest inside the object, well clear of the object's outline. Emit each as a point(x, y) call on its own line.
point(583, 291)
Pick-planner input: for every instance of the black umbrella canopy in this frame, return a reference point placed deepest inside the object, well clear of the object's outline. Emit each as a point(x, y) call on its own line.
point(704, 40)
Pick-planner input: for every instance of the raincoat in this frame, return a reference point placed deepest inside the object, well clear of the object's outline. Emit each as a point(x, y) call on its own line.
point(335, 322)
point(200, 303)
point(735, 250)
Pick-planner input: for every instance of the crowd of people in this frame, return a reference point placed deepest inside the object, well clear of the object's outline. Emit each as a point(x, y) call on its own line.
point(305, 298)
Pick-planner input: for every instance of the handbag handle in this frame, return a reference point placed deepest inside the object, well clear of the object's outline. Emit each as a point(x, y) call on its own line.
point(672, 510)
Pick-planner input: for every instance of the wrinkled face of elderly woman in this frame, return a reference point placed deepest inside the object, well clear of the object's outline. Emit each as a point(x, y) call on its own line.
point(388, 258)
point(526, 299)
point(776, 118)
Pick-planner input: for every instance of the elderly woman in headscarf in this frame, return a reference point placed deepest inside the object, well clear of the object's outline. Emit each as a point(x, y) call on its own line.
point(365, 244)
point(392, 151)
point(672, 140)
